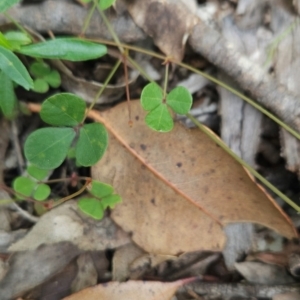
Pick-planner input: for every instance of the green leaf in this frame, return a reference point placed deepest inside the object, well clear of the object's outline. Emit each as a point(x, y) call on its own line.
point(159, 119)
point(91, 144)
point(14, 69)
point(111, 201)
point(48, 147)
point(24, 186)
point(104, 4)
point(100, 189)
point(39, 69)
point(63, 110)
point(91, 207)
point(37, 173)
point(40, 86)
point(4, 42)
point(152, 96)
point(180, 100)
point(6, 4)
point(7, 95)
point(73, 49)
point(17, 39)
point(42, 192)
point(53, 78)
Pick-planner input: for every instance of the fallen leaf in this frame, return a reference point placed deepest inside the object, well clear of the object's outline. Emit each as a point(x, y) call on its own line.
point(260, 273)
point(159, 19)
point(133, 290)
point(67, 223)
point(30, 268)
point(179, 189)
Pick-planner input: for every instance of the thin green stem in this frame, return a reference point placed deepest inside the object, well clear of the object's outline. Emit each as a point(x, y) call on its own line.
point(110, 75)
point(88, 18)
point(243, 163)
point(110, 29)
point(166, 80)
point(214, 80)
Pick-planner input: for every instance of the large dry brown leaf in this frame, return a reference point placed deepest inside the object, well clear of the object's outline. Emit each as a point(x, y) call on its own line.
point(168, 22)
point(178, 188)
point(133, 290)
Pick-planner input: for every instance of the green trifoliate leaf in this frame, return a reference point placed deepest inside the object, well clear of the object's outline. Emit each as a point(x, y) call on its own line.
point(63, 110)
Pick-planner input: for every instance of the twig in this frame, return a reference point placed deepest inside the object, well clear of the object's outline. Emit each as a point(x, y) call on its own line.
point(238, 289)
point(24, 213)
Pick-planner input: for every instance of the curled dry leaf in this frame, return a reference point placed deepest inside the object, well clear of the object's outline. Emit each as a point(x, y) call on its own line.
point(159, 20)
point(179, 189)
point(133, 290)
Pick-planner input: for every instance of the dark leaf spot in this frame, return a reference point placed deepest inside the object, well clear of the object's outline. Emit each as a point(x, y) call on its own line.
point(143, 147)
point(179, 164)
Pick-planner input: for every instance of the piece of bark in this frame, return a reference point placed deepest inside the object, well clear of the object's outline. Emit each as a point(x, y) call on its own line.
point(66, 17)
point(286, 70)
point(251, 77)
point(238, 289)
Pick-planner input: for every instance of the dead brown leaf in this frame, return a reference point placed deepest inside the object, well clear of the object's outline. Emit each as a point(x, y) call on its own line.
point(133, 290)
point(179, 189)
point(159, 19)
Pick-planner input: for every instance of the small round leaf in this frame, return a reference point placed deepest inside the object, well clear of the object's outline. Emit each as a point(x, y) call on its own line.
point(48, 147)
point(104, 4)
point(111, 201)
point(39, 69)
point(152, 96)
point(100, 189)
point(40, 86)
point(159, 119)
point(42, 192)
point(63, 110)
point(91, 144)
point(24, 186)
point(92, 207)
point(53, 79)
point(37, 173)
point(180, 100)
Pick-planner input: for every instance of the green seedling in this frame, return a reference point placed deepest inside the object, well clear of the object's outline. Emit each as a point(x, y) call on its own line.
point(29, 185)
point(102, 197)
point(48, 147)
point(159, 117)
point(44, 77)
